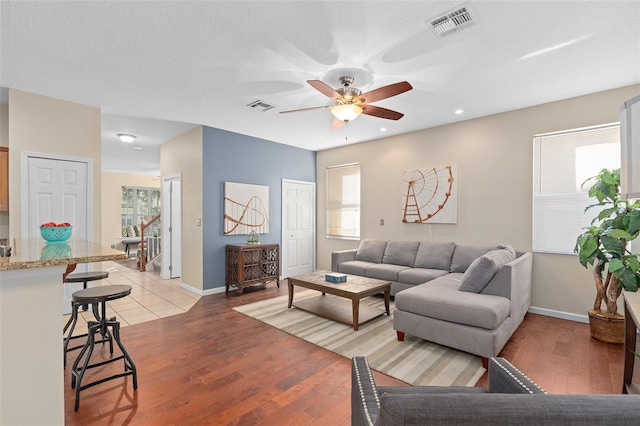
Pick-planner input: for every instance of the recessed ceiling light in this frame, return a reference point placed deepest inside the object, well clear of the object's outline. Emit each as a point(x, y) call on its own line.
point(383, 129)
point(458, 111)
point(138, 147)
point(126, 138)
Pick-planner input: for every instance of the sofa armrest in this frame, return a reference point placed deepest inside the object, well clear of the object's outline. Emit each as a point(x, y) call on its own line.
point(338, 257)
point(505, 378)
point(364, 393)
point(513, 281)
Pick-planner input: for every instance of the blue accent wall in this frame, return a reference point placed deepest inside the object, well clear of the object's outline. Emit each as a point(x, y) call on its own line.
point(232, 157)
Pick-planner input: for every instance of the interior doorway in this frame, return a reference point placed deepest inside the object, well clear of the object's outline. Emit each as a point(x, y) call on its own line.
point(298, 252)
point(171, 226)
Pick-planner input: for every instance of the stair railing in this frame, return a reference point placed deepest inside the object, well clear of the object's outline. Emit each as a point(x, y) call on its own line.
point(143, 257)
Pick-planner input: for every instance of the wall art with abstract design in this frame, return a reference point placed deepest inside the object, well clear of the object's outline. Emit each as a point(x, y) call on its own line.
point(246, 208)
point(430, 195)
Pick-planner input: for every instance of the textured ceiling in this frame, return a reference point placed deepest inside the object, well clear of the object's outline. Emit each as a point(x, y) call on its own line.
point(156, 69)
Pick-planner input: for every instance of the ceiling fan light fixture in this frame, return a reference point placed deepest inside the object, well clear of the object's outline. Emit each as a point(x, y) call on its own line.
point(126, 138)
point(346, 112)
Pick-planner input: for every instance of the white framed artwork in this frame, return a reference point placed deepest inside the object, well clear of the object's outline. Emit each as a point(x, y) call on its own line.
point(246, 208)
point(430, 195)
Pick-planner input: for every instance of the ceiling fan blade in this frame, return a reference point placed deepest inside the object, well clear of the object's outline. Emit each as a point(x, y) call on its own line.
point(377, 111)
point(385, 92)
point(306, 109)
point(336, 123)
point(325, 89)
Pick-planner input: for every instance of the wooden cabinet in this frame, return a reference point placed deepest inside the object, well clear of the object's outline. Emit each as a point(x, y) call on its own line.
point(249, 265)
point(631, 381)
point(4, 179)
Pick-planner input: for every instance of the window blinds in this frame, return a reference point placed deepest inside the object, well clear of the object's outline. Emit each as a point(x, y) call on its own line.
point(562, 162)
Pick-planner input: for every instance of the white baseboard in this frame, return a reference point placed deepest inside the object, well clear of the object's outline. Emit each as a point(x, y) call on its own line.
point(559, 314)
point(199, 292)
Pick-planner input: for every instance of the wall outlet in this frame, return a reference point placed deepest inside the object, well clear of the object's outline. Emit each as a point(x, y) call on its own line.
point(381, 222)
point(113, 246)
point(198, 222)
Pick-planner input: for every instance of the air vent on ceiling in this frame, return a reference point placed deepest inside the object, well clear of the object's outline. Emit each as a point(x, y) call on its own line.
point(261, 105)
point(453, 21)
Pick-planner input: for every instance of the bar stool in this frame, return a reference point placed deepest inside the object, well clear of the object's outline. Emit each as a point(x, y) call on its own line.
point(81, 277)
point(85, 277)
point(109, 328)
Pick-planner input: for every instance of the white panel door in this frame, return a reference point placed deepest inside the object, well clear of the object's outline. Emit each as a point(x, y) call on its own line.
point(175, 230)
point(57, 192)
point(171, 266)
point(298, 227)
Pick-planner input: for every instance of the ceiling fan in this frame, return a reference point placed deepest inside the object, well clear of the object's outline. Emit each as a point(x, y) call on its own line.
point(350, 102)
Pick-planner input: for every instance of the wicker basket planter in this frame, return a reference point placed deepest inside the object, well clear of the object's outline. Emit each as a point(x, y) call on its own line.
point(606, 327)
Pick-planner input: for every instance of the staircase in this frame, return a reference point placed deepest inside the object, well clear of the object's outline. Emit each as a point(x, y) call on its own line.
point(150, 247)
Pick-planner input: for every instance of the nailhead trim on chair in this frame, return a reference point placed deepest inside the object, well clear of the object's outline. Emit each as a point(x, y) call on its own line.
point(514, 377)
point(362, 396)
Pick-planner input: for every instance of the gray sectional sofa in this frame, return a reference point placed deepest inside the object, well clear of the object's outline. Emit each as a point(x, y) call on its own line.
point(510, 399)
point(471, 298)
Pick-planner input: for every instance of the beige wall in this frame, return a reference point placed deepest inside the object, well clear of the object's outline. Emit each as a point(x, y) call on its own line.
point(52, 126)
point(494, 156)
point(112, 184)
point(184, 155)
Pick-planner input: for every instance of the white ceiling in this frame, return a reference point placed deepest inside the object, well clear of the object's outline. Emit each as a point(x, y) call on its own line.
point(157, 69)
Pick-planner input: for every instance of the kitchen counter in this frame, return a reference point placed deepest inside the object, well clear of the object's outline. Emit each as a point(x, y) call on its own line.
point(29, 253)
point(31, 309)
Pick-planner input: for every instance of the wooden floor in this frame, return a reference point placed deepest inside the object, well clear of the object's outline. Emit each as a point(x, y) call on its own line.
point(213, 365)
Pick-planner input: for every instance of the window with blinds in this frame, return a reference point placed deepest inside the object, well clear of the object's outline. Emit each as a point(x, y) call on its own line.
point(343, 201)
point(563, 161)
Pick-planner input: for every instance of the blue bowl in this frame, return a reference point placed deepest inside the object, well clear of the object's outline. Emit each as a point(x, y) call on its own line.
point(56, 234)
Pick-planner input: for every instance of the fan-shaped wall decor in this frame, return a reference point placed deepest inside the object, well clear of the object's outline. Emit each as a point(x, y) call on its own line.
point(246, 208)
point(430, 195)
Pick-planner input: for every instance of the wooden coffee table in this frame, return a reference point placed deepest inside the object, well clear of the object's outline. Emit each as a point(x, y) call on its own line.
point(335, 308)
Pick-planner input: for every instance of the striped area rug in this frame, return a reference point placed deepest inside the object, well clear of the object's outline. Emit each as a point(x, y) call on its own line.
point(414, 361)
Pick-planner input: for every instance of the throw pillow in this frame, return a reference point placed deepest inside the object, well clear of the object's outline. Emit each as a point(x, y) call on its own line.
point(481, 270)
point(137, 230)
point(125, 232)
point(130, 231)
point(371, 251)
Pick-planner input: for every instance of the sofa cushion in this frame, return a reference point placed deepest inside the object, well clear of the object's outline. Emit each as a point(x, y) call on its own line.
point(440, 299)
point(480, 272)
point(434, 255)
point(371, 251)
point(419, 275)
point(354, 267)
point(400, 253)
point(384, 271)
point(463, 256)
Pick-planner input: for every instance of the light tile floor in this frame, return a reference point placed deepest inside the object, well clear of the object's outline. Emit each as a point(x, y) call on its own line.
point(151, 297)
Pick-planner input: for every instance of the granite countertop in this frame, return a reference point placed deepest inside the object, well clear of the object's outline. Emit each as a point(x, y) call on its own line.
point(29, 253)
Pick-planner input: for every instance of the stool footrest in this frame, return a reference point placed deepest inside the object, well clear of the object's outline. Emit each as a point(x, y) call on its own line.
point(77, 373)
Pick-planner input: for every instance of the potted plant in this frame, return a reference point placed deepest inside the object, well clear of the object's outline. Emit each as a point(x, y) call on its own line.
point(604, 246)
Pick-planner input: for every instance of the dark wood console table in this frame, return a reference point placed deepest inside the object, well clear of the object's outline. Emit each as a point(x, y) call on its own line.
point(252, 264)
point(631, 323)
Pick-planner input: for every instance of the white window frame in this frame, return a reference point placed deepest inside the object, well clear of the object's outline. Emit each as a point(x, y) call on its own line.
point(343, 201)
point(559, 200)
point(136, 217)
